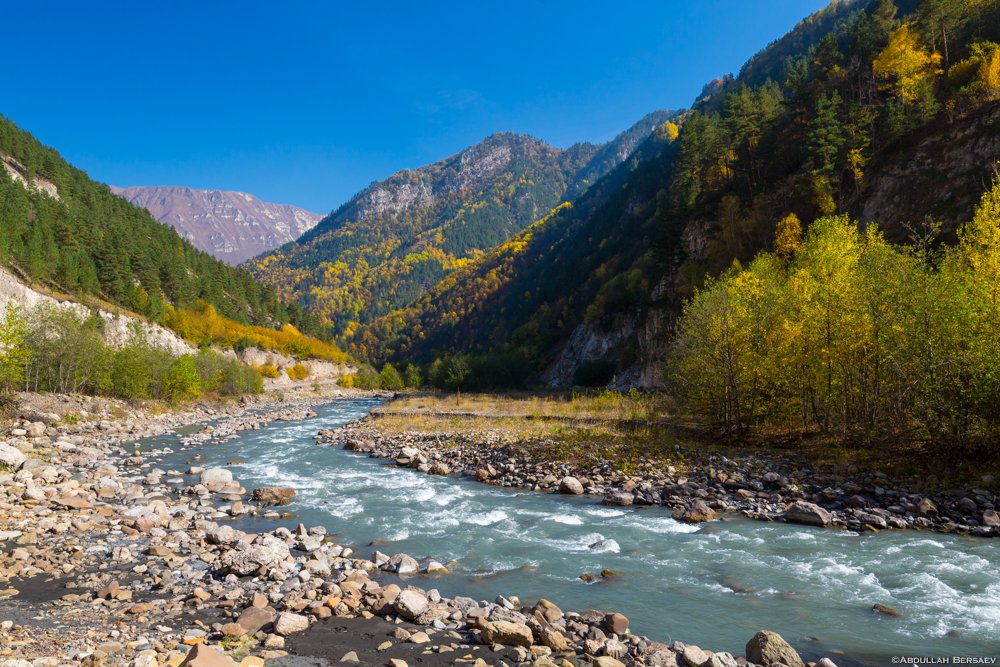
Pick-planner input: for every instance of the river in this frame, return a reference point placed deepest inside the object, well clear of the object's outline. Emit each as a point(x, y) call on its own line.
point(712, 584)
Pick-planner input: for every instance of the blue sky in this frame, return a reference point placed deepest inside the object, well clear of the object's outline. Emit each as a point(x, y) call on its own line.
point(308, 102)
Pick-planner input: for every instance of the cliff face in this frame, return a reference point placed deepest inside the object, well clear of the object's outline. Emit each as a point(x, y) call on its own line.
point(232, 226)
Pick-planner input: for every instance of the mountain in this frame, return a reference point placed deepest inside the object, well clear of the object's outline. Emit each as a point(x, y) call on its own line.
point(231, 226)
point(385, 247)
point(61, 230)
point(854, 111)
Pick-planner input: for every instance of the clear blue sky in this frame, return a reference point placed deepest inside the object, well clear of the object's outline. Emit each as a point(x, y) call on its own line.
point(308, 102)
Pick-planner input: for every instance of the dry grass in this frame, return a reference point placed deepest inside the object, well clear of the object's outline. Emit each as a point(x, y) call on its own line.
point(631, 429)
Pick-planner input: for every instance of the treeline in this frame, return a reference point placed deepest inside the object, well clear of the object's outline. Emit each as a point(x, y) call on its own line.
point(88, 242)
point(845, 333)
point(488, 372)
point(51, 348)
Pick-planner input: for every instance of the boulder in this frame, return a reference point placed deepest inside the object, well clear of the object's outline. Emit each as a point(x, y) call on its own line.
point(991, 519)
point(721, 660)
point(807, 513)
point(607, 661)
point(769, 648)
point(273, 495)
point(506, 633)
point(926, 508)
point(255, 618)
point(410, 604)
point(11, 458)
point(245, 559)
point(571, 486)
point(206, 656)
point(216, 477)
point(618, 498)
point(696, 512)
point(616, 623)
point(404, 565)
point(289, 623)
point(693, 656)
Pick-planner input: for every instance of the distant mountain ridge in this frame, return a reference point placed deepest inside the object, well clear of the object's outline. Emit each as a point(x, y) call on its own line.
point(231, 226)
point(386, 246)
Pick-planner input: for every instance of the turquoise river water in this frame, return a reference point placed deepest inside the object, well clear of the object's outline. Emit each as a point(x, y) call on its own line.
point(712, 584)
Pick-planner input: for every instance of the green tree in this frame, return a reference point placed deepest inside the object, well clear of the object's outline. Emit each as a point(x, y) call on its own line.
point(182, 381)
point(412, 377)
point(389, 378)
point(14, 355)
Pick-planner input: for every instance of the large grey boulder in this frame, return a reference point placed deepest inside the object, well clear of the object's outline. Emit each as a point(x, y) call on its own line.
point(11, 458)
point(807, 513)
point(410, 604)
point(289, 623)
point(216, 477)
point(244, 559)
point(769, 648)
point(571, 486)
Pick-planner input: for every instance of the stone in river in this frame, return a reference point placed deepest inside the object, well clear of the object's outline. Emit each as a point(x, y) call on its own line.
point(991, 519)
point(618, 498)
point(216, 477)
point(697, 512)
point(807, 513)
point(769, 648)
point(403, 565)
point(273, 495)
point(884, 609)
point(570, 485)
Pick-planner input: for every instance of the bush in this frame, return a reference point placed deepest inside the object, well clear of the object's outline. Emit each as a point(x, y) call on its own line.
point(366, 378)
point(182, 381)
point(268, 371)
point(224, 375)
point(412, 377)
point(390, 378)
point(298, 372)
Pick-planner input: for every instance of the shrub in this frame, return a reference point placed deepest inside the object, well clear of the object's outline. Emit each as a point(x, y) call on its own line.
point(268, 371)
point(390, 378)
point(182, 381)
point(298, 372)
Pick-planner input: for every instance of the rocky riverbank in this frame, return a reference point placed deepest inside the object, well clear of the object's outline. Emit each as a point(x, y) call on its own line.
point(697, 485)
point(107, 560)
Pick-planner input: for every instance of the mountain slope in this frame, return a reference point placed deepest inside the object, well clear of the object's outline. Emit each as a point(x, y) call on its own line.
point(63, 230)
point(829, 118)
point(231, 226)
point(392, 241)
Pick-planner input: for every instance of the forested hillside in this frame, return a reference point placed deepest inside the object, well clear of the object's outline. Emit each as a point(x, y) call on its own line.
point(385, 247)
point(881, 110)
point(63, 230)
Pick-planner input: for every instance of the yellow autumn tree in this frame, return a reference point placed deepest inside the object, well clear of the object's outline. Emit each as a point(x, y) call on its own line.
point(788, 236)
point(903, 66)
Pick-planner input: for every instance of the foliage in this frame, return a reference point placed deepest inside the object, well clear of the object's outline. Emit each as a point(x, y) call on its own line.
point(412, 376)
point(389, 378)
point(14, 356)
point(385, 247)
point(203, 323)
point(76, 237)
point(269, 371)
point(854, 335)
point(182, 381)
point(63, 350)
point(298, 372)
point(808, 124)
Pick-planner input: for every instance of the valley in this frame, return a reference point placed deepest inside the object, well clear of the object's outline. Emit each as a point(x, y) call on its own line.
point(583, 368)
